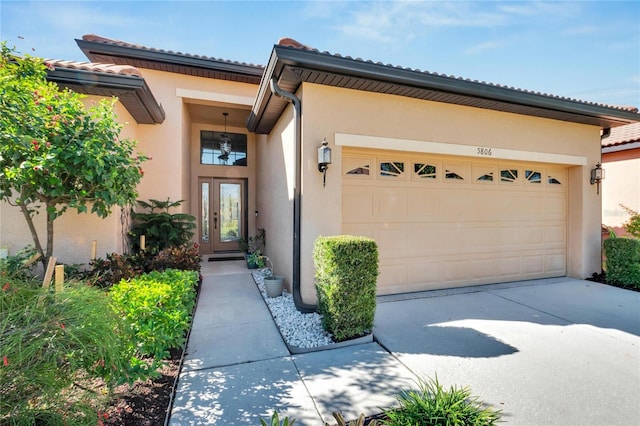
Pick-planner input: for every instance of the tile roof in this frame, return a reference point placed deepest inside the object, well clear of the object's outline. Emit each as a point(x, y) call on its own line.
point(622, 135)
point(99, 39)
point(292, 63)
point(122, 81)
point(125, 70)
point(289, 42)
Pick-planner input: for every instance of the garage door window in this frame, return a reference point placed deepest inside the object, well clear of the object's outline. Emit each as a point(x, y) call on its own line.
point(424, 171)
point(391, 169)
point(508, 175)
point(533, 176)
point(553, 181)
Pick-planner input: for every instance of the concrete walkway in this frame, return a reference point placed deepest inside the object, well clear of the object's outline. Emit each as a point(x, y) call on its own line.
point(560, 351)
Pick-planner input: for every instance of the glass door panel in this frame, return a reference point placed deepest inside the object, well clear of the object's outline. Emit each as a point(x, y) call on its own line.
point(222, 219)
point(230, 218)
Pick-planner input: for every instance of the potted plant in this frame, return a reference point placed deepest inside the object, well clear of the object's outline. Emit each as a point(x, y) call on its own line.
point(250, 246)
point(273, 283)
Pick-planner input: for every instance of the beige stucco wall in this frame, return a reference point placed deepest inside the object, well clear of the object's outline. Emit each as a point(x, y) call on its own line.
point(276, 177)
point(73, 232)
point(203, 170)
point(328, 110)
point(620, 186)
point(169, 173)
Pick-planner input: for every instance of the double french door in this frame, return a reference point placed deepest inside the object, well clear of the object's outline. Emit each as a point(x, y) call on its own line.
point(222, 218)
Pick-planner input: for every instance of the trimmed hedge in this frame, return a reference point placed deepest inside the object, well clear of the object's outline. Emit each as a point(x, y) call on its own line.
point(346, 275)
point(623, 261)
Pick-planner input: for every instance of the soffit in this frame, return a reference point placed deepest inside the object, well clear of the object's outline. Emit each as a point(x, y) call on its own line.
point(292, 66)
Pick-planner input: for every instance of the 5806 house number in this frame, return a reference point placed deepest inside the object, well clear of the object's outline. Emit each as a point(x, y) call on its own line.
point(486, 152)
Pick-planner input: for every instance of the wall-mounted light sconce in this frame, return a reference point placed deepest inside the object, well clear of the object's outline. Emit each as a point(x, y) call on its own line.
point(597, 174)
point(324, 159)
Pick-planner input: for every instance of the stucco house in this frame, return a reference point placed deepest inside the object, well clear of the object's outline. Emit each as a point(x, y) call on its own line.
point(621, 162)
point(460, 182)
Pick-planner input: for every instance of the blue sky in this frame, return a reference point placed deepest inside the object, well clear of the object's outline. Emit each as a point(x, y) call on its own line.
point(584, 50)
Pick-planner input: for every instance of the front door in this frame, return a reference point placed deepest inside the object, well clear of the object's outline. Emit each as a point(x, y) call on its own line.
point(222, 214)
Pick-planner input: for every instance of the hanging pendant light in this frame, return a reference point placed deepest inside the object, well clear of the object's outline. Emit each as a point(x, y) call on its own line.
point(225, 141)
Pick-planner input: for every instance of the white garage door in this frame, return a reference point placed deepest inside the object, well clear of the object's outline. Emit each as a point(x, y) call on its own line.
point(449, 221)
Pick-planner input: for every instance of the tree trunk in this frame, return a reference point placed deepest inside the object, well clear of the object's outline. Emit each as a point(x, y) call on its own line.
point(34, 234)
point(49, 234)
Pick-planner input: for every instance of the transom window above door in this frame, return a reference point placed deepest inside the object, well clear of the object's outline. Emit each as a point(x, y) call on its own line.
point(223, 148)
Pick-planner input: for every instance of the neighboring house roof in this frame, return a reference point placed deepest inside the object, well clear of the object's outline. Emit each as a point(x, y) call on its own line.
point(101, 49)
point(291, 64)
point(622, 138)
point(124, 82)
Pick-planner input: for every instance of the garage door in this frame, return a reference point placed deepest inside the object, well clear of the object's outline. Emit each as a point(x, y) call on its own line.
point(445, 222)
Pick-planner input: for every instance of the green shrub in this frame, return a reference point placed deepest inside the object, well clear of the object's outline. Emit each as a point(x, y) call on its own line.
point(623, 261)
point(346, 275)
point(157, 309)
point(51, 341)
point(161, 228)
point(432, 405)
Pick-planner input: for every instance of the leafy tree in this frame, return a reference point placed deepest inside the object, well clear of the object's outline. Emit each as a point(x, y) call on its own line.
point(632, 225)
point(55, 153)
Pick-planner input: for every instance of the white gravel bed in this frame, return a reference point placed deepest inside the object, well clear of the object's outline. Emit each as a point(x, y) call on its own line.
point(297, 329)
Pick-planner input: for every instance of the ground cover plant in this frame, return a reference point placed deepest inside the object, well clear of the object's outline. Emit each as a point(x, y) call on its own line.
point(51, 342)
point(116, 267)
point(433, 405)
point(86, 356)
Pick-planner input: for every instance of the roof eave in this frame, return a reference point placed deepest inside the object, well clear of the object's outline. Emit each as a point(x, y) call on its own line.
point(143, 106)
point(156, 59)
point(627, 146)
point(321, 62)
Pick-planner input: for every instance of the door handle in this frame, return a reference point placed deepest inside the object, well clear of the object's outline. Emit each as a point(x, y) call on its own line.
point(215, 220)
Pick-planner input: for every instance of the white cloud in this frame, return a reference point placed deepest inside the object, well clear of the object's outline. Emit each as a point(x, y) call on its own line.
point(391, 21)
point(485, 47)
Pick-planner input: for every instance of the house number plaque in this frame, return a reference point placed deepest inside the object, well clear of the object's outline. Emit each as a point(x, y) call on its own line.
point(484, 152)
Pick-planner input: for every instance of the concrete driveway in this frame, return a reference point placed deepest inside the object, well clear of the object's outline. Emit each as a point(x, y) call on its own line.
point(547, 352)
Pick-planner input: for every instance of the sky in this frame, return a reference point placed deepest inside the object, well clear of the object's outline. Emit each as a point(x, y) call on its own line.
point(585, 50)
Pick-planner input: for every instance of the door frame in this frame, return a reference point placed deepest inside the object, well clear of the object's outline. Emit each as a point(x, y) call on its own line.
point(208, 247)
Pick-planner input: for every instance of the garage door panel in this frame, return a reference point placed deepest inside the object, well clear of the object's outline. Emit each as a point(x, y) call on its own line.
point(443, 232)
point(532, 264)
point(357, 205)
point(392, 275)
point(532, 236)
point(556, 235)
point(391, 203)
point(555, 263)
point(508, 268)
point(393, 239)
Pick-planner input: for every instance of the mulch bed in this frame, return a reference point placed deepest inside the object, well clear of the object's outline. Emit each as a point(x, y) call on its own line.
point(145, 403)
point(148, 403)
point(602, 279)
